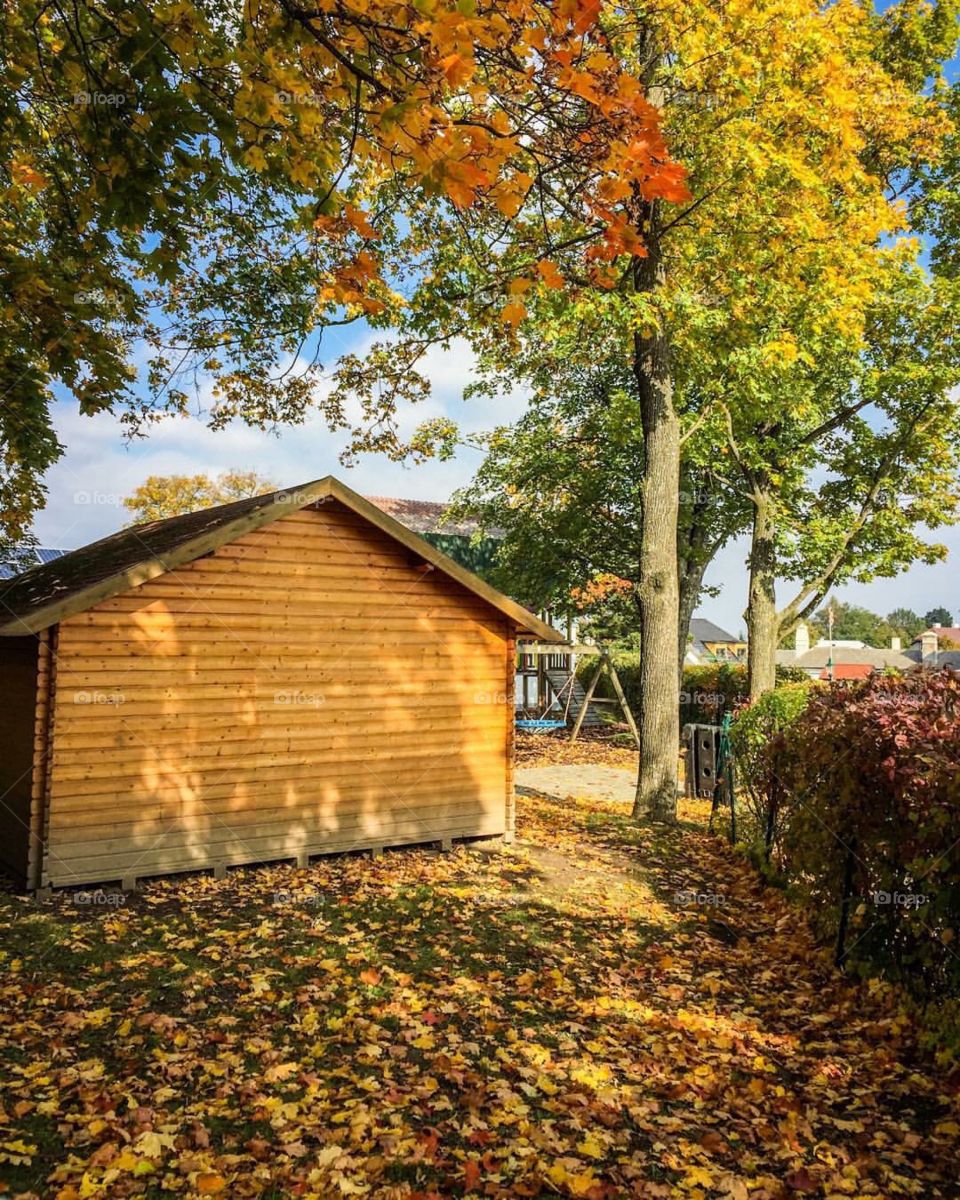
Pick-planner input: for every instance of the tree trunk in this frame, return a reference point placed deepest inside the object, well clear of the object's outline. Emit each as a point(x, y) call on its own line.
point(763, 622)
point(659, 589)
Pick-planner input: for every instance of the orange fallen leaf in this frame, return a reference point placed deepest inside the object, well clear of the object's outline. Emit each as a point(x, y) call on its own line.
point(209, 1184)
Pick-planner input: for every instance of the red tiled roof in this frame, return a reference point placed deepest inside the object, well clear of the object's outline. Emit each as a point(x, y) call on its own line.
point(422, 516)
point(848, 671)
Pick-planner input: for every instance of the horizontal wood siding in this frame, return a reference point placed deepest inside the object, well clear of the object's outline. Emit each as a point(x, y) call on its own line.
point(311, 687)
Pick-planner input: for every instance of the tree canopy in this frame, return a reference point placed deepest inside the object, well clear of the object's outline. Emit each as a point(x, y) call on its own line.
point(162, 496)
point(213, 187)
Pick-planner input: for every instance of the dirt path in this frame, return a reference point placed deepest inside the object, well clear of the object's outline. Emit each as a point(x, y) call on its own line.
point(591, 781)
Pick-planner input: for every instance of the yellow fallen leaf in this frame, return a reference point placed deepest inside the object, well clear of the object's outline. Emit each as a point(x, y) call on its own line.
point(577, 1182)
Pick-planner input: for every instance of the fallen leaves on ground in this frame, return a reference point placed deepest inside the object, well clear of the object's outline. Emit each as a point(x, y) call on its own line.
point(604, 1010)
point(610, 746)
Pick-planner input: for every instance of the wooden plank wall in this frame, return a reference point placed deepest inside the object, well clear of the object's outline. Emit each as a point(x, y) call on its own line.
point(310, 687)
point(18, 690)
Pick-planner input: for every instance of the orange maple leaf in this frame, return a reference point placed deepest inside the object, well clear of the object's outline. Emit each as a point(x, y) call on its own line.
point(457, 69)
point(549, 273)
point(513, 313)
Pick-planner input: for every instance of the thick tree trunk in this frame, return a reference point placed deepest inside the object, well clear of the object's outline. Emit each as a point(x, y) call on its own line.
point(763, 622)
point(659, 589)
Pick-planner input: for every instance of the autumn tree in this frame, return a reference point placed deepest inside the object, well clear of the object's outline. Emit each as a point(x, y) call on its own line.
point(561, 488)
point(162, 496)
point(792, 120)
point(214, 187)
point(846, 478)
point(852, 622)
point(906, 623)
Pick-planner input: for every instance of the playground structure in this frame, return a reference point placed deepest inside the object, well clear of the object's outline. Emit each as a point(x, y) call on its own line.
point(550, 696)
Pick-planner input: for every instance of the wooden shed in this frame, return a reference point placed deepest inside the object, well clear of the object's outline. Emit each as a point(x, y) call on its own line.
point(285, 676)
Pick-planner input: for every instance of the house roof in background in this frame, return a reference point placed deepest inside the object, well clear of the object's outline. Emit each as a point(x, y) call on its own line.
point(423, 516)
point(950, 632)
point(51, 592)
point(702, 630)
point(849, 671)
point(818, 657)
point(40, 554)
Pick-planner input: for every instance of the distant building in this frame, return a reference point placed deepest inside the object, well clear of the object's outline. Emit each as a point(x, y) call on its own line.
point(708, 643)
point(850, 659)
point(938, 646)
point(848, 672)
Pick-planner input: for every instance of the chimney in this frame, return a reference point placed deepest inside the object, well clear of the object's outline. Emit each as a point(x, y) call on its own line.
point(802, 639)
point(896, 644)
point(928, 645)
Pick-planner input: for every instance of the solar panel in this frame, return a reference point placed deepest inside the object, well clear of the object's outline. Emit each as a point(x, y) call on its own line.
point(40, 554)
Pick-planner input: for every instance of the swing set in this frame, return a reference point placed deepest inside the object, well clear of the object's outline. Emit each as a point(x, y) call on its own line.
point(557, 682)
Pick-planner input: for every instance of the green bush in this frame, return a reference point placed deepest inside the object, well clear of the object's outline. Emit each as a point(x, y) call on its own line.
point(707, 694)
point(757, 740)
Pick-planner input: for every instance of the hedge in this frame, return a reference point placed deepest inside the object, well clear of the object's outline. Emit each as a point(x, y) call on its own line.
point(869, 780)
point(758, 741)
point(708, 691)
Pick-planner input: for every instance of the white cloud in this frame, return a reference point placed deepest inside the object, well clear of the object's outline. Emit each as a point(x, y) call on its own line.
point(86, 487)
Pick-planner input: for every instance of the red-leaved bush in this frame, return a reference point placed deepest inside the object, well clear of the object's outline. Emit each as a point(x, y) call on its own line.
point(871, 822)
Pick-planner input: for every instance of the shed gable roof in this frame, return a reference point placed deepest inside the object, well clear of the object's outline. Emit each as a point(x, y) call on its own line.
point(47, 594)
